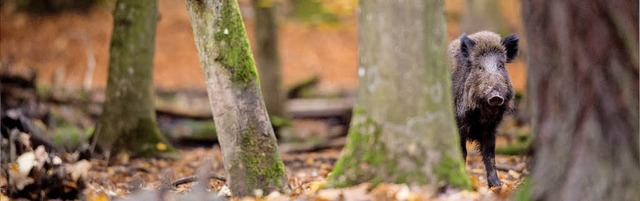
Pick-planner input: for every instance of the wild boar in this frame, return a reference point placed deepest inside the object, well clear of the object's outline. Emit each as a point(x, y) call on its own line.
point(482, 90)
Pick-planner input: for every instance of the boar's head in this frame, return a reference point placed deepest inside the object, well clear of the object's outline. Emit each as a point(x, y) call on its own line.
point(487, 85)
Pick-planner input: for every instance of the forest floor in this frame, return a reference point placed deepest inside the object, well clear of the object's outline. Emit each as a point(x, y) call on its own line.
point(307, 170)
point(137, 178)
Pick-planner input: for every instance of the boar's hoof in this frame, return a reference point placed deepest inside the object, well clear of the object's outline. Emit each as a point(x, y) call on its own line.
point(493, 182)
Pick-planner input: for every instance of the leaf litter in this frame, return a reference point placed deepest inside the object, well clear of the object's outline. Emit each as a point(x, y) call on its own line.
point(125, 178)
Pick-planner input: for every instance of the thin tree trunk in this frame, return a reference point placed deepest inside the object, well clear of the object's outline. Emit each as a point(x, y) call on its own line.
point(128, 121)
point(267, 56)
point(403, 129)
point(583, 89)
point(249, 146)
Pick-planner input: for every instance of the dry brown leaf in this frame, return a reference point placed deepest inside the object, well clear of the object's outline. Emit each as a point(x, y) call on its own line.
point(315, 186)
point(41, 156)
point(99, 196)
point(122, 158)
point(24, 139)
point(18, 178)
point(475, 182)
point(477, 170)
point(514, 174)
point(3, 197)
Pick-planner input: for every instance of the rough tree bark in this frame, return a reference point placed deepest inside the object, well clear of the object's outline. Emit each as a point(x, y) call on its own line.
point(267, 56)
point(583, 71)
point(128, 121)
point(246, 137)
point(403, 129)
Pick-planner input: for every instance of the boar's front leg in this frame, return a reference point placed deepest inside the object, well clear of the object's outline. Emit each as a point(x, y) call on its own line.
point(464, 132)
point(487, 147)
point(463, 145)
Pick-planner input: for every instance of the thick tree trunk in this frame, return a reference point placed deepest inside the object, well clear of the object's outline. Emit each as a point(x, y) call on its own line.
point(481, 15)
point(246, 137)
point(403, 129)
point(128, 121)
point(583, 89)
point(267, 56)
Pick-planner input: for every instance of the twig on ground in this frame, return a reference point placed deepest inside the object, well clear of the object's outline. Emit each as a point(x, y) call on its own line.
point(189, 179)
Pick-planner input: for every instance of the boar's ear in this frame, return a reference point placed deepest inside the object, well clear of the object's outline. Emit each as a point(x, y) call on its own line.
point(510, 43)
point(466, 44)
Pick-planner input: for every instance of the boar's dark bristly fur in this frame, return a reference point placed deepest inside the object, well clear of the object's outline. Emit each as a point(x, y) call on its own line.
point(482, 90)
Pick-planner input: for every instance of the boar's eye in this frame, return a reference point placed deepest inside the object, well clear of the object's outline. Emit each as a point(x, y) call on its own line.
point(501, 65)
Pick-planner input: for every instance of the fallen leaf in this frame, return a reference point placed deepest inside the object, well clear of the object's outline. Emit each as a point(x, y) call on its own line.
point(477, 170)
point(3, 197)
point(514, 174)
point(258, 193)
point(404, 193)
point(502, 191)
point(24, 139)
point(475, 182)
point(224, 191)
point(122, 158)
point(161, 146)
point(41, 156)
point(56, 160)
point(79, 169)
point(25, 162)
point(315, 186)
point(17, 178)
point(100, 196)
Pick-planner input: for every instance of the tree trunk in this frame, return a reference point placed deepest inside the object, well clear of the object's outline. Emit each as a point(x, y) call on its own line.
point(128, 121)
point(267, 56)
point(403, 129)
point(246, 137)
point(480, 15)
point(583, 71)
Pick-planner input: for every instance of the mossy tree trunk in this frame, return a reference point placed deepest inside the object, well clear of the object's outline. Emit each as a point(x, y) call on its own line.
point(403, 129)
point(583, 71)
point(128, 121)
point(267, 56)
point(246, 137)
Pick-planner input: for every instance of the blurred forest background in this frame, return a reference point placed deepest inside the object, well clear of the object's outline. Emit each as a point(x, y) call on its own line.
point(64, 45)
point(68, 48)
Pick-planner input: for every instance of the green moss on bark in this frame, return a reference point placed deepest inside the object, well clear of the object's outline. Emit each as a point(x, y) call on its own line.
point(365, 157)
point(143, 140)
point(361, 154)
point(234, 51)
point(264, 170)
point(450, 170)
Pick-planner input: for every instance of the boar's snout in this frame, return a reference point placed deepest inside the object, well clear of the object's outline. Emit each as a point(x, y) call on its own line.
point(495, 99)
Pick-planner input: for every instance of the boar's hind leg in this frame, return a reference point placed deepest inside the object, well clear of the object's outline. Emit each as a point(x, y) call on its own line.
point(487, 147)
point(463, 141)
